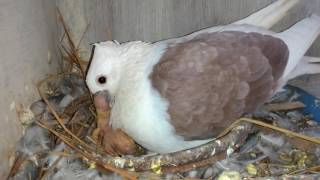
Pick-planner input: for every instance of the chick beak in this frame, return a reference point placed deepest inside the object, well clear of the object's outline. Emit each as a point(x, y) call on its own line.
point(102, 100)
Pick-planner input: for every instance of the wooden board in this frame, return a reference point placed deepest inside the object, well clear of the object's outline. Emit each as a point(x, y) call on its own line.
point(153, 20)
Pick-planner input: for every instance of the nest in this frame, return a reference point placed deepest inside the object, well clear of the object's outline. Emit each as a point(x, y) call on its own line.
point(58, 138)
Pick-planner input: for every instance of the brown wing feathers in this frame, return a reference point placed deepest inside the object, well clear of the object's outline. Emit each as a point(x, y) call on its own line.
point(213, 79)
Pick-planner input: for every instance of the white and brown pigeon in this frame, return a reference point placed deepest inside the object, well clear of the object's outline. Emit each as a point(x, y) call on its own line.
point(180, 93)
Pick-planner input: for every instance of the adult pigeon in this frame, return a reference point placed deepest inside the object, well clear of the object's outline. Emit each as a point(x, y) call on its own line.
point(180, 93)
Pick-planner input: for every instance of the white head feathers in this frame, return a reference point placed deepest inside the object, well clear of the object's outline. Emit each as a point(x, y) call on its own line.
point(110, 60)
point(104, 71)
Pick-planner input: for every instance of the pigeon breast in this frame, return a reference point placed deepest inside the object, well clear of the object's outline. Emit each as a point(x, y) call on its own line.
point(213, 79)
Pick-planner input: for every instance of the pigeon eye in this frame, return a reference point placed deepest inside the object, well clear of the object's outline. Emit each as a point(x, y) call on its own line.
point(102, 79)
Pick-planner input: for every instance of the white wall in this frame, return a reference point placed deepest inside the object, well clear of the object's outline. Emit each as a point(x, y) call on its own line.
point(27, 53)
point(79, 14)
point(152, 20)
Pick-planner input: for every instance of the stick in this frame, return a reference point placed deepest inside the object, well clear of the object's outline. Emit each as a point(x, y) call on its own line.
point(286, 177)
point(57, 116)
point(88, 156)
point(286, 106)
point(71, 44)
point(195, 165)
point(284, 131)
point(232, 140)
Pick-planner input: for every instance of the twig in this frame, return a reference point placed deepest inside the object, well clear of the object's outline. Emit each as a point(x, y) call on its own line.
point(45, 99)
point(286, 106)
point(71, 44)
point(70, 56)
point(51, 168)
point(286, 177)
point(88, 156)
point(194, 165)
point(285, 131)
point(82, 100)
point(155, 162)
point(73, 55)
point(19, 159)
point(310, 169)
point(82, 36)
point(63, 154)
point(62, 57)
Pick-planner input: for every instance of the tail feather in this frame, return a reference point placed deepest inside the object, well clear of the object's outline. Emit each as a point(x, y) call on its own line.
point(299, 38)
point(305, 67)
point(260, 21)
point(270, 15)
point(312, 59)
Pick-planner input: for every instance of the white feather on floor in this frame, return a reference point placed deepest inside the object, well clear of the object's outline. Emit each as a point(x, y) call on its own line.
point(73, 169)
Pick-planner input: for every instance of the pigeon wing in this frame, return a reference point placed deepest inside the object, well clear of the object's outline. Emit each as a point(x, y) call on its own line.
point(214, 78)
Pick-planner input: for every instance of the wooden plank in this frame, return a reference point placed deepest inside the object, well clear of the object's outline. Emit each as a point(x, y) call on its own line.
point(152, 20)
point(79, 13)
point(27, 48)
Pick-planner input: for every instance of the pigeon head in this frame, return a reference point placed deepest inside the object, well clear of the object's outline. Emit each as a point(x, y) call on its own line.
point(105, 68)
point(114, 64)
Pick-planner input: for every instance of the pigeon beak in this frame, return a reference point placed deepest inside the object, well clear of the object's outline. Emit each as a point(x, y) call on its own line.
point(102, 100)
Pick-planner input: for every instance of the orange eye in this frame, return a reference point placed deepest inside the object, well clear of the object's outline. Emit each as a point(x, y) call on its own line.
point(102, 79)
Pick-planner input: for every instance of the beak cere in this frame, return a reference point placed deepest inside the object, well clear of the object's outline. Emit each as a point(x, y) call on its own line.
point(102, 100)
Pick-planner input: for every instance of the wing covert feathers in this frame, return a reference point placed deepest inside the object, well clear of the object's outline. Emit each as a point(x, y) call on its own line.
point(214, 78)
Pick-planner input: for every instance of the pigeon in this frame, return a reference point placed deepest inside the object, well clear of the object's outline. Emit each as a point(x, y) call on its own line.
point(180, 93)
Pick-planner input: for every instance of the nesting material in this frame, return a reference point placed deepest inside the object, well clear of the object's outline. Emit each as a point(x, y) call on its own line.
point(64, 146)
point(62, 141)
